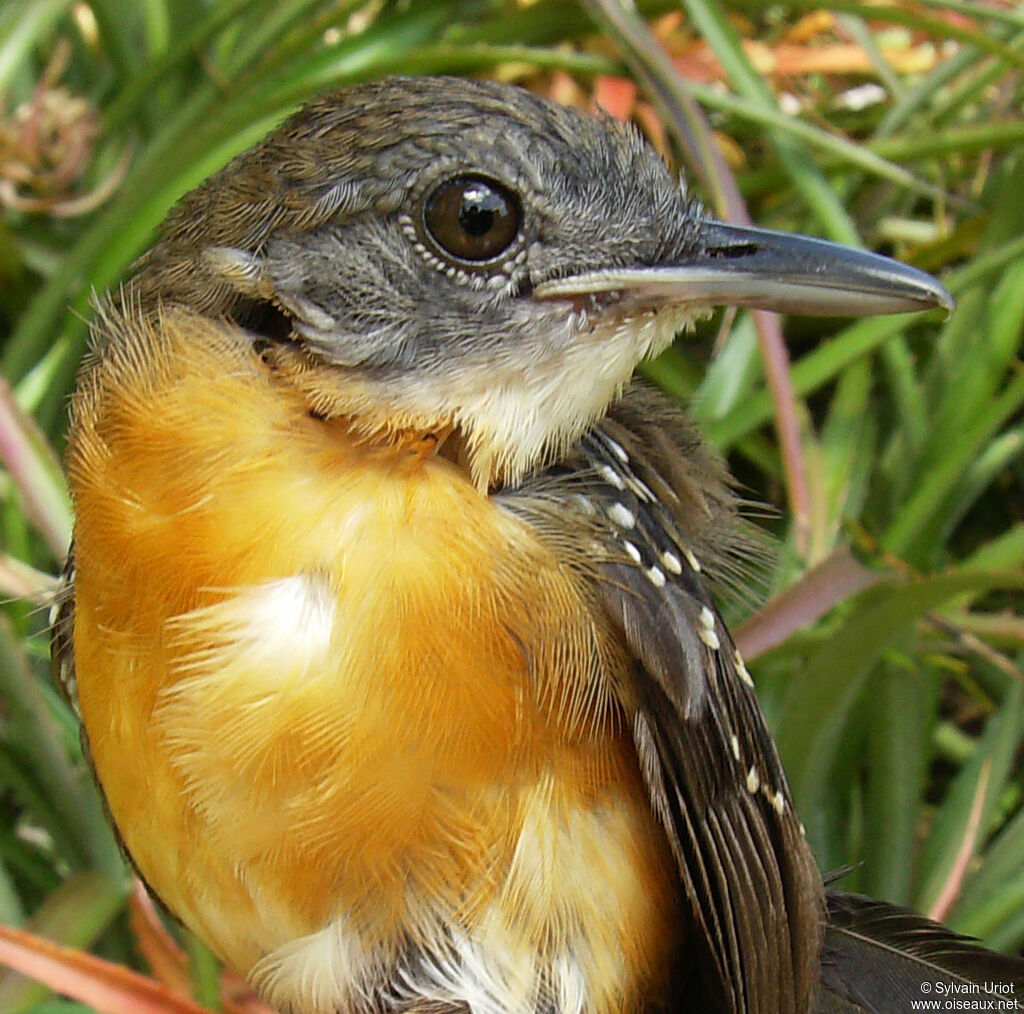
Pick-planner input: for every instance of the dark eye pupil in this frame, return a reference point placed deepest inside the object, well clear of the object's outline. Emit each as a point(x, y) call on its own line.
point(472, 219)
point(477, 219)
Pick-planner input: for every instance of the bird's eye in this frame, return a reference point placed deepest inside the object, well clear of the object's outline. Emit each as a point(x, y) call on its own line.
point(472, 219)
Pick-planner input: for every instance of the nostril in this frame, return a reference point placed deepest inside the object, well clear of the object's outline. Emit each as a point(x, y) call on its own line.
point(732, 251)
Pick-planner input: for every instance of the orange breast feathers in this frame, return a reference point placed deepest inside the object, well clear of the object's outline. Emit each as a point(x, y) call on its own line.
point(330, 688)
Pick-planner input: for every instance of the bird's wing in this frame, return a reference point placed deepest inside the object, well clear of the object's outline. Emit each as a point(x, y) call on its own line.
point(707, 757)
point(879, 958)
point(62, 622)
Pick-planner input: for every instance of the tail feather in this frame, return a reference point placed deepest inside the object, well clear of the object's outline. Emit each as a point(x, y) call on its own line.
point(882, 959)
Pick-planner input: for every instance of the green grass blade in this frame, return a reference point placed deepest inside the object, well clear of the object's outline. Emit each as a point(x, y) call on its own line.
point(35, 733)
point(902, 719)
point(820, 698)
point(965, 818)
point(711, 21)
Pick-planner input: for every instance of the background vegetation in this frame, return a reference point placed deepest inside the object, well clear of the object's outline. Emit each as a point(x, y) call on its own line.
point(890, 637)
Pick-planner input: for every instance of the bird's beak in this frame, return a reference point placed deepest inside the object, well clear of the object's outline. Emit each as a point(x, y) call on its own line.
point(762, 269)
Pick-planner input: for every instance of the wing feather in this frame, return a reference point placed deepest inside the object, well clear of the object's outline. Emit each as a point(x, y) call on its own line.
point(881, 959)
point(708, 759)
point(62, 625)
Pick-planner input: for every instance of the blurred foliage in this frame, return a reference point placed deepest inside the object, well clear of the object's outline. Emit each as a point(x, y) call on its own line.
point(892, 634)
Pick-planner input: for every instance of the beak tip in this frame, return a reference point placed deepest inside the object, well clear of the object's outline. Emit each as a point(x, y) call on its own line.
point(946, 302)
point(931, 295)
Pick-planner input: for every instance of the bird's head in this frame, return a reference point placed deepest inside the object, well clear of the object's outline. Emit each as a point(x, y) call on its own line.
point(443, 255)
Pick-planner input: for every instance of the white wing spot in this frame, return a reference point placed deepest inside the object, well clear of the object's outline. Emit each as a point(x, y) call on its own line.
point(656, 577)
point(707, 629)
point(621, 515)
point(741, 668)
point(671, 563)
point(611, 476)
point(779, 803)
point(692, 560)
point(634, 553)
point(734, 743)
point(617, 449)
point(753, 781)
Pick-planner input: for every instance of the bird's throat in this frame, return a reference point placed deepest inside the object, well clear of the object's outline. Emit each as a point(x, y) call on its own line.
point(498, 420)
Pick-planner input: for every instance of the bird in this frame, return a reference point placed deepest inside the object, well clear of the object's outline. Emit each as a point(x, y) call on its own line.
point(390, 616)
